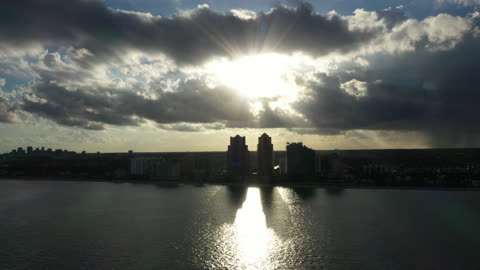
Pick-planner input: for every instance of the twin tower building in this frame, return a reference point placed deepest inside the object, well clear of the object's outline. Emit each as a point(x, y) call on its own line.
point(238, 158)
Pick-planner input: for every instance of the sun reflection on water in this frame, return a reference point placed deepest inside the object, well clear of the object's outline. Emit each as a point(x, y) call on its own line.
point(254, 239)
point(247, 243)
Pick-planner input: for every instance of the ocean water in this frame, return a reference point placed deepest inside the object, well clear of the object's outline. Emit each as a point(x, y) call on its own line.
point(98, 225)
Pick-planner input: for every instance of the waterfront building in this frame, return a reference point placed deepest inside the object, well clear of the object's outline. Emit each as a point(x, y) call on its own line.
point(136, 166)
point(265, 157)
point(237, 157)
point(154, 168)
point(300, 160)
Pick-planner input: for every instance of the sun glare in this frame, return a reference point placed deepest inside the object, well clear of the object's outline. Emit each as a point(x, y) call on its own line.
point(255, 240)
point(264, 75)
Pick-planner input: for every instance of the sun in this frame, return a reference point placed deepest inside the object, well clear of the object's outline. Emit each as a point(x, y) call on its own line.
point(255, 76)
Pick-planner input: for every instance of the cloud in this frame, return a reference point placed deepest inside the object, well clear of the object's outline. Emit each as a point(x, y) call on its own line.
point(90, 108)
point(399, 34)
point(385, 106)
point(189, 127)
point(7, 110)
point(355, 88)
point(435, 93)
point(192, 105)
point(112, 67)
point(445, 31)
point(99, 32)
point(244, 14)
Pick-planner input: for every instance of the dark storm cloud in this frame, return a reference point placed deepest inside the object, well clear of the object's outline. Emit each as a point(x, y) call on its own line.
point(449, 84)
point(434, 93)
point(84, 108)
point(268, 117)
point(55, 69)
point(192, 102)
point(276, 118)
point(385, 107)
point(191, 107)
point(190, 38)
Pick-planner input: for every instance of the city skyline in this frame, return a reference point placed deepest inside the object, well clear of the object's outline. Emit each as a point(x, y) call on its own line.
point(297, 164)
point(278, 146)
point(31, 148)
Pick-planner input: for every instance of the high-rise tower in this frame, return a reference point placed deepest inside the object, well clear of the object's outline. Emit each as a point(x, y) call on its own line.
point(265, 157)
point(237, 157)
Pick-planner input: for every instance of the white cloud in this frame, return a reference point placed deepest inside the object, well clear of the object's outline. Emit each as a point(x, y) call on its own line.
point(361, 62)
point(436, 33)
point(365, 21)
point(445, 31)
point(244, 14)
point(355, 88)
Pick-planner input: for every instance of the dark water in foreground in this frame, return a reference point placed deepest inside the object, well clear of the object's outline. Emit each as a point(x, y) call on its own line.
point(94, 225)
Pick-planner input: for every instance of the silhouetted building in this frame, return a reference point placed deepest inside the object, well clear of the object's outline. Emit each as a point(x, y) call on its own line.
point(20, 151)
point(265, 156)
point(300, 160)
point(29, 149)
point(136, 166)
point(237, 157)
point(201, 166)
point(334, 167)
point(154, 168)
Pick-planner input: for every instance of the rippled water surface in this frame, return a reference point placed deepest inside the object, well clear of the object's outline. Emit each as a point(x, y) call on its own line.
point(94, 225)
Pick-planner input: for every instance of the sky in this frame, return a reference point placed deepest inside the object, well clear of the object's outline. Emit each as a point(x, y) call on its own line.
point(185, 75)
